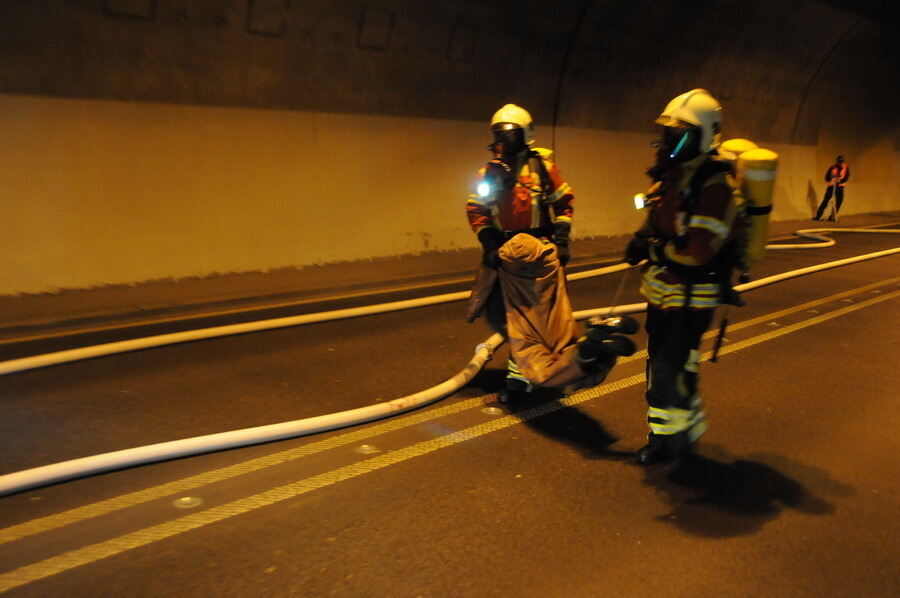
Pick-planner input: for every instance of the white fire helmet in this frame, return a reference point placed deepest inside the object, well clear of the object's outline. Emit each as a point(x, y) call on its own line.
point(695, 108)
point(510, 117)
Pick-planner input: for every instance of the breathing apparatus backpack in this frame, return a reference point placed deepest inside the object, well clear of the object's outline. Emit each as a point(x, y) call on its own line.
point(754, 169)
point(752, 173)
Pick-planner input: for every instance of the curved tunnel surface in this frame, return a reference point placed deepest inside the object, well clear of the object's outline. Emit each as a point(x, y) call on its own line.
point(150, 140)
point(767, 61)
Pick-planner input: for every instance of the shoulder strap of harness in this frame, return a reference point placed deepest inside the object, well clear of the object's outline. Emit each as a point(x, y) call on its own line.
point(546, 182)
point(704, 172)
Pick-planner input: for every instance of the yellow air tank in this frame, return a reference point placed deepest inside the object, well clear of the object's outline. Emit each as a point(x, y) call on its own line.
point(733, 148)
point(756, 171)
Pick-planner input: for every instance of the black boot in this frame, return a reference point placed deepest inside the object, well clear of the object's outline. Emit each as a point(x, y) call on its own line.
point(664, 448)
point(516, 390)
point(653, 452)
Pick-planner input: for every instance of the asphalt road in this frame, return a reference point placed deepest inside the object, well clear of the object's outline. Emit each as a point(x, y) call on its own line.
point(792, 491)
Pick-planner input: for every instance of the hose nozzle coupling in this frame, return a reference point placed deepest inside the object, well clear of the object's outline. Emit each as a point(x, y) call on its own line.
point(489, 348)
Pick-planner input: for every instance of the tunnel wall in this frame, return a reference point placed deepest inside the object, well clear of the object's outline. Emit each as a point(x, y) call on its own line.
point(143, 140)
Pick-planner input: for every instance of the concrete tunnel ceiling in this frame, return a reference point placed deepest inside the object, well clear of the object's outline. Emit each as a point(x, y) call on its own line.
point(778, 67)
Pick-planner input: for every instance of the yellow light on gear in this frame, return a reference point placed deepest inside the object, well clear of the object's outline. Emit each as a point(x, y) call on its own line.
point(640, 201)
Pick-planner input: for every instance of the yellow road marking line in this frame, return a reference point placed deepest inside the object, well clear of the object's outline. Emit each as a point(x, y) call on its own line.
point(800, 325)
point(114, 546)
point(642, 354)
point(118, 545)
point(115, 503)
point(807, 305)
point(57, 520)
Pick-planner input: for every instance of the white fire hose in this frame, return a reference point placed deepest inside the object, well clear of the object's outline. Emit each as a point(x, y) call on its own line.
point(76, 468)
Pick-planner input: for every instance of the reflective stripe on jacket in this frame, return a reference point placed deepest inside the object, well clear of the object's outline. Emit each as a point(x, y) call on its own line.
point(700, 239)
point(523, 207)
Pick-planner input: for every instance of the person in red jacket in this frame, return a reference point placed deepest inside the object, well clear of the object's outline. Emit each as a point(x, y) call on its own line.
point(520, 190)
point(836, 176)
point(686, 240)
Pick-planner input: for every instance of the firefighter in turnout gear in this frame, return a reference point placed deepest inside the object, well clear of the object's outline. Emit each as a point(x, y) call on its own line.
point(520, 190)
point(836, 177)
point(688, 241)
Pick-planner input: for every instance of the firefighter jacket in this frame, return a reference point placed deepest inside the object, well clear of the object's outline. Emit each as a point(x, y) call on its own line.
point(691, 236)
point(522, 201)
point(540, 324)
point(837, 174)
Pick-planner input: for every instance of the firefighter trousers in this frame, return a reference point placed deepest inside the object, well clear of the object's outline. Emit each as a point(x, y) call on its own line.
point(673, 341)
point(838, 200)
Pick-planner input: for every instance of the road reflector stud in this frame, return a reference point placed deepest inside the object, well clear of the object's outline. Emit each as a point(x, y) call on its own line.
point(187, 502)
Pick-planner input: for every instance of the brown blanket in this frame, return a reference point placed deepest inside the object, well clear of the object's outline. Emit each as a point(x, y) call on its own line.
point(541, 328)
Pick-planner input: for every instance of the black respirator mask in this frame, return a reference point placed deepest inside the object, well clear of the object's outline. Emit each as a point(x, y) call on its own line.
point(509, 139)
point(677, 145)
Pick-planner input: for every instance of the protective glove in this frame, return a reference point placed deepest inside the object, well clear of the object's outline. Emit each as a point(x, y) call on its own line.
point(491, 240)
point(561, 231)
point(656, 252)
point(638, 249)
point(491, 259)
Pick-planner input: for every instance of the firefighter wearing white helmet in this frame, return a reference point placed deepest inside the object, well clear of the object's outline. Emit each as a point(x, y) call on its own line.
point(520, 190)
point(687, 241)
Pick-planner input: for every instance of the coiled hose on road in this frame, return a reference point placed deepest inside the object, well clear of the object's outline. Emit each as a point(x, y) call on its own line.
point(76, 468)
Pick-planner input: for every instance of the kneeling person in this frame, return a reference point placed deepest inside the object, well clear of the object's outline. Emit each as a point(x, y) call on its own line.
point(543, 335)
